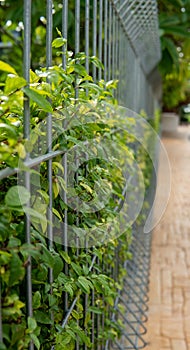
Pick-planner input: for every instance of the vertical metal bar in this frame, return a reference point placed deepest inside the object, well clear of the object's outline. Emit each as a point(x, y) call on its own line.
point(103, 324)
point(49, 28)
point(113, 45)
point(77, 26)
point(1, 327)
point(125, 81)
point(26, 63)
point(77, 49)
point(119, 63)
point(77, 32)
point(26, 70)
point(85, 313)
point(120, 66)
point(64, 29)
point(49, 33)
point(94, 44)
point(27, 49)
point(109, 40)
point(65, 233)
point(117, 53)
point(93, 318)
point(130, 73)
point(100, 37)
point(105, 37)
point(87, 29)
point(98, 328)
point(49, 128)
point(135, 86)
point(125, 71)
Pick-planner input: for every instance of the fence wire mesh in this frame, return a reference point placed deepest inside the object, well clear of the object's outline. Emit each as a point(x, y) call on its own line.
point(123, 34)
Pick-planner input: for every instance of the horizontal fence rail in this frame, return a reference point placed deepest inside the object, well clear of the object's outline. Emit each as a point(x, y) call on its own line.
point(123, 35)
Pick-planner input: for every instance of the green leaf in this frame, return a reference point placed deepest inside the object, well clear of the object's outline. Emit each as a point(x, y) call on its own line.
point(87, 188)
point(52, 300)
point(7, 68)
point(63, 339)
point(55, 211)
point(35, 214)
point(14, 83)
point(18, 332)
point(29, 249)
point(168, 44)
point(80, 56)
point(84, 284)
point(34, 78)
point(91, 86)
point(85, 270)
point(47, 257)
point(55, 189)
point(40, 100)
point(17, 196)
point(165, 20)
point(14, 242)
point(76, 315)
point(76, 268)
point(35, 340)
point(62, 183)
point(96, 62)
point(2, 346)
point(62, 278)
point(17, 271)
point(98, 253)
point(58, 265)
point(112, 84)
point(179, 31)
point(32, 325)
point(85, 339)
point(36, 300)
point(12, 305)
point(44, 195)
point(42, 317)
point(72, 334)
point(58, 42)
point(68, 288)
point(57, 166)
point(8, 129)
point(5, 257)
point(65, 256)
point(79, 69)
point(95, 310)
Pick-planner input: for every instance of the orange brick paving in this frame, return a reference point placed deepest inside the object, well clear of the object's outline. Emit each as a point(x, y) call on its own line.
point(169, 306)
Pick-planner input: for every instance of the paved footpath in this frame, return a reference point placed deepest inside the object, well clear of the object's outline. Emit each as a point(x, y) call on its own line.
point(169, 306)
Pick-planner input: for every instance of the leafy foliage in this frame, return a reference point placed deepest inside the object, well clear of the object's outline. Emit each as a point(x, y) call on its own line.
point(174, 19)
point(71, 267)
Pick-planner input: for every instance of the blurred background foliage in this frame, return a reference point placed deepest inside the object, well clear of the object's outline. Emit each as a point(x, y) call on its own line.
point(174, 22)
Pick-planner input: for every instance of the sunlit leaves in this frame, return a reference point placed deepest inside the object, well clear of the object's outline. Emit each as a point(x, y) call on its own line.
point(41, 101)
point(5, 67)
point(14, 83)
point(58, 42)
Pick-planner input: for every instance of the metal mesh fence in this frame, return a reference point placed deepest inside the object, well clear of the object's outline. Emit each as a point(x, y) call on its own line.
point(123, 34)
